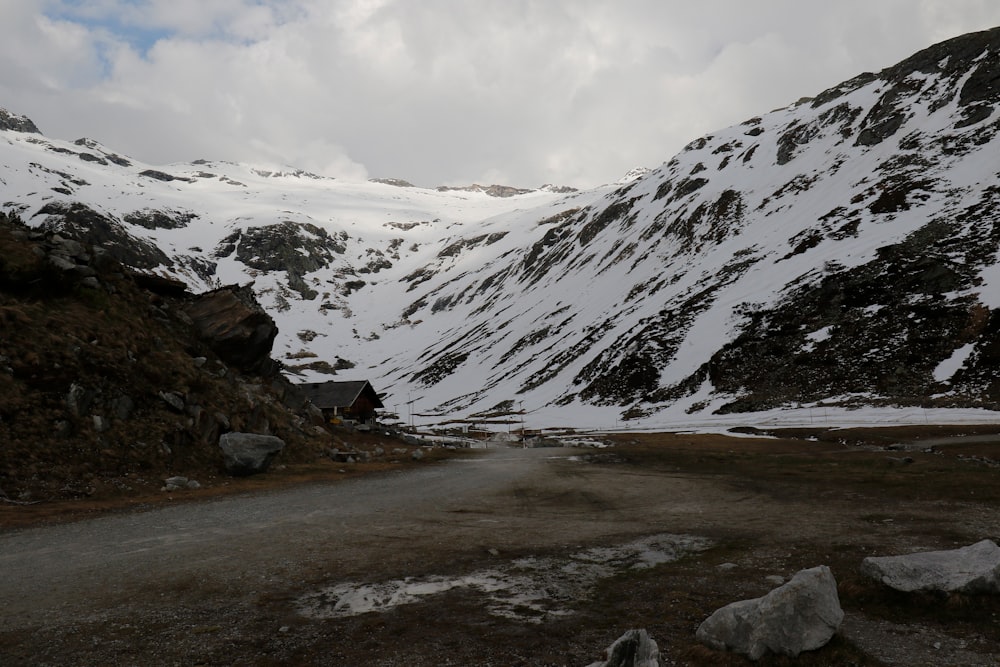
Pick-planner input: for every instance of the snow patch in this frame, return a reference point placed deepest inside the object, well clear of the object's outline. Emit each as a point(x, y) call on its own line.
point(529, 589)
point(947, 368)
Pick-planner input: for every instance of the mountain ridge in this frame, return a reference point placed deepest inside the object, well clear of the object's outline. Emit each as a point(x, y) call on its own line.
point(841, 251)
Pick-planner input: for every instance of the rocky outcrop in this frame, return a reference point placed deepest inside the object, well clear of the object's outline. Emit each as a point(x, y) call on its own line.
point(16, 123)
point(491, 190)
point(395, 182)
point(87, 225)
point(248, 453)
point(635, 648)
point(971, 569)
point(160, 218)
point(296, 248)
point(102, 370)
point(802, 615)
point(235, 326)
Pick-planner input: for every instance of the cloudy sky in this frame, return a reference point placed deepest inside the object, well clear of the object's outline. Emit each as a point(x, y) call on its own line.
point(519, 92)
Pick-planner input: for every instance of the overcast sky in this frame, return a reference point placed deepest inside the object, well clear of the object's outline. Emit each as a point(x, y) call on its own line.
point(518, 92)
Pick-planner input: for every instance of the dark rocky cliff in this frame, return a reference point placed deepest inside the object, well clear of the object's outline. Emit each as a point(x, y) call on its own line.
point(111, 382)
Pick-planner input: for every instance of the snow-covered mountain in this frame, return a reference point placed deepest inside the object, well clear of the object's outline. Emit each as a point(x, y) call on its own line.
point(841, 251)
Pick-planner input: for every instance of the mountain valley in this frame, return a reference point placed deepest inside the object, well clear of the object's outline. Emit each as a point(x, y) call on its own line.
point(838, 253)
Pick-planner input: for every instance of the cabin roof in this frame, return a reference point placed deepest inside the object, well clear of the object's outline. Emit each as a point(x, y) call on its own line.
point(328, 395)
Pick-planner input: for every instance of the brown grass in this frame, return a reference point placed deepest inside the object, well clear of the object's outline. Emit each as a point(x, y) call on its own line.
point(852, 461)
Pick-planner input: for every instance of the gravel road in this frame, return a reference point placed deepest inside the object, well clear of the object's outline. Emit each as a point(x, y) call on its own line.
point(234, 541)
point(414, 521)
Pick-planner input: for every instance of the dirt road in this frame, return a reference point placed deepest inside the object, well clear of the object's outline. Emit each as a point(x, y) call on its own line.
point(506, 500)
point(223, 582)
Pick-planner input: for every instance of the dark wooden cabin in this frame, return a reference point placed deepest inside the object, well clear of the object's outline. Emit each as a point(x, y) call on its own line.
point(354, 400)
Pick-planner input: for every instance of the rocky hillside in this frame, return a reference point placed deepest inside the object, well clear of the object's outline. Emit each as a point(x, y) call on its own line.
point(110, 381)
point(839, 252)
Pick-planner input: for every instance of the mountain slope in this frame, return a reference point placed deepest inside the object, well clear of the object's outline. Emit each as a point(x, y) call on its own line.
point(842, 250)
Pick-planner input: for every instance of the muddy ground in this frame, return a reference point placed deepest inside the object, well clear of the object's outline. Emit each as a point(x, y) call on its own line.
point(510, 556)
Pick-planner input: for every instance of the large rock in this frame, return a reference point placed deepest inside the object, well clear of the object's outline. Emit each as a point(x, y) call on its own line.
point(971, 569)
point(17, 123)
point(99, 228)
point(249, 453)
point(635, 648)
point(236, 327)
point(802, 615)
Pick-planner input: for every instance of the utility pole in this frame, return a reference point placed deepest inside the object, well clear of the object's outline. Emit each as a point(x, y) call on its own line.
point(523, 442)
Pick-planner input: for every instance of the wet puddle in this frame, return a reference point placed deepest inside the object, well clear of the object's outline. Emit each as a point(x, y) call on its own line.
point(528, 589)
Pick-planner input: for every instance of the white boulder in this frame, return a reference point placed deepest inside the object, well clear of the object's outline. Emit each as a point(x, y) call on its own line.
point(802, 615)
point(635, 648)
point(248, 453)
point(971, 569)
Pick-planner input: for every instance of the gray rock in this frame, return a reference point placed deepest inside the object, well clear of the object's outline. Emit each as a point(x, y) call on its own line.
point(971, 569)
point(17, 123)
point(233, 323)
point(314, 414)
point(248, 453)
point(633, 649)
point(173, 399)
point(100, 423)
point(62, 263)
point(193, 484)
point(417, 455)
point(79, 400)
point(175, 483)
point(85, 272)
point(802, 615)
point(222, 419)
point(346, 457)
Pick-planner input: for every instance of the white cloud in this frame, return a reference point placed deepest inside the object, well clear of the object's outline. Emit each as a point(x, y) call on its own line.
point(436, 91)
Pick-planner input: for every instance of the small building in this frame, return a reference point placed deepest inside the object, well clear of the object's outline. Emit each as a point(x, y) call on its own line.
point(355, 400)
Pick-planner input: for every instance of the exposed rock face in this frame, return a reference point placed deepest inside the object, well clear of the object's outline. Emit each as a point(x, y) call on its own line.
point(397, 182)
point(10, 121)
point(160, 219)
point(87, 225)
point(853, 320)
point(491, 190)
point(248, 453)
point(971, 569)
point(635, 648)
point(102, 370)
point(236, 328)
point(296, 248)
point(802, 615)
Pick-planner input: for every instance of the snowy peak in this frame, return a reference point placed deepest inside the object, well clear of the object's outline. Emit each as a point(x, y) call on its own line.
point(14, 123)
point(634, 175)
